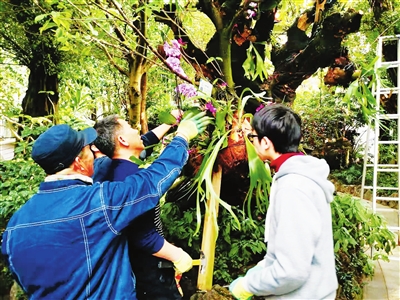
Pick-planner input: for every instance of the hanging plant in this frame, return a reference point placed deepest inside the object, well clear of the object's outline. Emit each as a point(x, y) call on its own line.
point(222, 145)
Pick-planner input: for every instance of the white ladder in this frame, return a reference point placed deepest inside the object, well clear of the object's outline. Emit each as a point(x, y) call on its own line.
point(380, 168)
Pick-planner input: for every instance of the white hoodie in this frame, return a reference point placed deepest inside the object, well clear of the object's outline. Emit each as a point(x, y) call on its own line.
point(300, 261)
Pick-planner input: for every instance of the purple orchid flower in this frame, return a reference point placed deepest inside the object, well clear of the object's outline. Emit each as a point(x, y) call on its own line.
point(175, 64)
point(210, 108)
point(260, 107)
point(222, 85)
point(250, 14)
point(174, 50)
point(186, 89)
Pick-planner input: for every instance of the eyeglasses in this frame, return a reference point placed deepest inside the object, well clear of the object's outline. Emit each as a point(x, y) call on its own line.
point(251, 137)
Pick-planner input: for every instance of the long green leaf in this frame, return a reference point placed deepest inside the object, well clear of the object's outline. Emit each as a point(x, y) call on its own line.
point(260, 180)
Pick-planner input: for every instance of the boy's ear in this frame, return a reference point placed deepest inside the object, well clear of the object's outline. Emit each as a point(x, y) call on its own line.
point(265, 141)
point(268, 144)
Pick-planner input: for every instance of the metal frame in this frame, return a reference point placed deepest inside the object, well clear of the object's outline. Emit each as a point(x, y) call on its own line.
point(377, 167)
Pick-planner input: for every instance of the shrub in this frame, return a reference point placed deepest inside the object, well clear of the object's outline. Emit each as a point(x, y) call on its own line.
point(349, 176)
point(19, 180)
point(330, 131)
point(356, 229)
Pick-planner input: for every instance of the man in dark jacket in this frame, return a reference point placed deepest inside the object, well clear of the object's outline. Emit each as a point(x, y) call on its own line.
point(66, 241)
point(148, 250)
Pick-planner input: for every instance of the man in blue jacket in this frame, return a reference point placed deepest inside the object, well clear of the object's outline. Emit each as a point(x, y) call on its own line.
point(148, 249)
point(66, 241)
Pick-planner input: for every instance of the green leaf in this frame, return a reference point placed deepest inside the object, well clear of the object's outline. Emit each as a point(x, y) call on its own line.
point(260, 67)
point(204, 176)
point(166, 118)
point(86, 51)
point(211, 59)
point(248, 65)
point(66, 48)
point(49, 24)
point(260, 179)
point(40, 18)
point(351, 90)
point(253, 69)
point(46, 92)
point(220, 120)
point(136, 160)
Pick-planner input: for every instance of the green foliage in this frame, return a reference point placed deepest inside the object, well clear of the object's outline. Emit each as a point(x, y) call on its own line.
point(12, 82)
point(21, 36)
point(387, 155)
point(359, 93)
point(329, 129)
point(19, 181)
point(21, 176)
point(260, 180)
point(349, 176)
point(86, 95)
point(253, 69)
point(5, 280)
point(357, 230)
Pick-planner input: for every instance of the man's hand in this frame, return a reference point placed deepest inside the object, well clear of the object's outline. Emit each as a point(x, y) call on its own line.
point(238, 291)
point(184, 263)
point(192, 125)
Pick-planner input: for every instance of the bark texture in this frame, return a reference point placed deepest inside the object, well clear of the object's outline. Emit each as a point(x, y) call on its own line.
point(35, 50)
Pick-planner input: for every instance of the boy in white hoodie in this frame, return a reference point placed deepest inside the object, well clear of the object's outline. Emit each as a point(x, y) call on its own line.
point(300, 261)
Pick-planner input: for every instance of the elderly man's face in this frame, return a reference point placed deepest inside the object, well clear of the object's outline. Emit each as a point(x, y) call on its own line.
point(86, 160)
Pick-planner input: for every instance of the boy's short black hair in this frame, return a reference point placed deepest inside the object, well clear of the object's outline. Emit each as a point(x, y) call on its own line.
point(281, 125)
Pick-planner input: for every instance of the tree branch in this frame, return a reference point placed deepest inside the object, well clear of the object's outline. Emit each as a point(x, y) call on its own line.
point(126, 20)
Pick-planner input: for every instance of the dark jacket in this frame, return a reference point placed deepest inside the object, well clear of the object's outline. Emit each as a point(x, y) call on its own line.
point(145, 236)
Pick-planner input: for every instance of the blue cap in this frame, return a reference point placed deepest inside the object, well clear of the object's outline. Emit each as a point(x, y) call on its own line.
point(56, 148)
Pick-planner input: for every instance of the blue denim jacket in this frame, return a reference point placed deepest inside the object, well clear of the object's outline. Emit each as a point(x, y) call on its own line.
point(66, 242)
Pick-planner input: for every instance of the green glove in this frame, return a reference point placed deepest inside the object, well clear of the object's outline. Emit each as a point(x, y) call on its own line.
point(184, 263)
point(192, 125)
point(238, 291)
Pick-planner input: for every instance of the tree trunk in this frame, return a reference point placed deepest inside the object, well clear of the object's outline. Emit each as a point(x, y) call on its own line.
point(137, 68)
point(301, 57)
point(135, 94)
point(41, 98)
point(143, 116)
